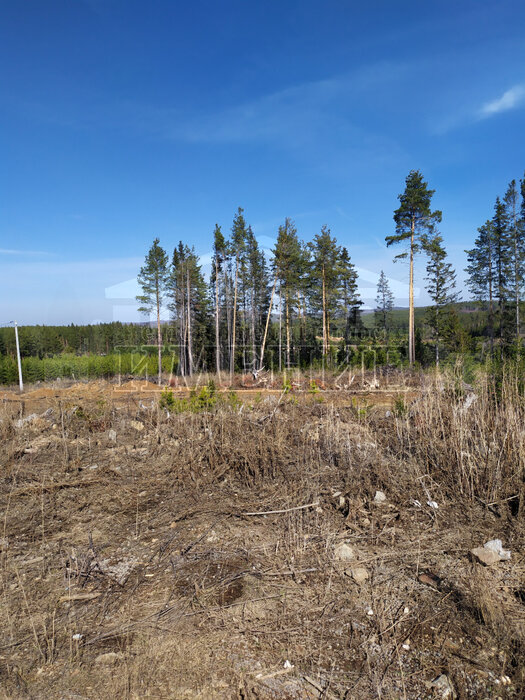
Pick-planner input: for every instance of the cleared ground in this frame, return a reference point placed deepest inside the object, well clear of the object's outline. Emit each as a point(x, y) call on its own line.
point(142, 555)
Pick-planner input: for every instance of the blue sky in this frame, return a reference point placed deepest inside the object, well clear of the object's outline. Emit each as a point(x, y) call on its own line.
point(122, 120)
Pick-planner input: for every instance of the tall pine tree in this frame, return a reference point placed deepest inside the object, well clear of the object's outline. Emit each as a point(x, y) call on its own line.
point(287, 256)
point(413, 218)
point(481, 272)
point(350, 300)
point(237, 244)
point(441, 282)
point(502, 249)
point(326, 277)
point(220, 256)
point(516, 236)
point(384, 306)
point(153, 278)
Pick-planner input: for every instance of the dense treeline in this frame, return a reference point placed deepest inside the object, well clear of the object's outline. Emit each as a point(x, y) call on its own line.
point(300, 306)
point(290, 310)
point(496, 267)
point(46, 341)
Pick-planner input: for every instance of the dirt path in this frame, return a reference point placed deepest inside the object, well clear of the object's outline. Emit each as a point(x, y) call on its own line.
point(41, 398)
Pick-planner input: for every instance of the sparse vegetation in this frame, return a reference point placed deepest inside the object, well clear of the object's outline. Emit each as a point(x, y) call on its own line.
point(137, 559)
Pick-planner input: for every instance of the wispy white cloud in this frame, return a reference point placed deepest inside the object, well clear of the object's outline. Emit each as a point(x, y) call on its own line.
point(311, 117)
point(510, 99)
point(306, 113)
point(13, 251)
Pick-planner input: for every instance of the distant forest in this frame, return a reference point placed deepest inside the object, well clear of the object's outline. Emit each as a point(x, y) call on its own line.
point(301, 307)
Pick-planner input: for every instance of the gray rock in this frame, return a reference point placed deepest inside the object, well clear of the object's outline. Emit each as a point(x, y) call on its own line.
point(359, 574)
point(112, 435)
point(497, 546)
point(485, 556)
point(492, 552)
point(109, 659)
point(379, 497)
point(443, 686)
point(23, 421)
point(344, 552)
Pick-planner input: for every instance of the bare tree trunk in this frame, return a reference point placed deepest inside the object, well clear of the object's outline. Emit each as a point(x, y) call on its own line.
point(280, 325)
point(228, 310)
point(252, 303)
point(244, 343)
point(302, 334)
point(517, 290)
point(217, 337)
point(411, 334)
point(516, 273)
point(182, 329)
point(267, 322)
point(287, 311)
point(232, 356)
point(190, 350)
point(325, 337)
point(159, 338)
point(491, 310)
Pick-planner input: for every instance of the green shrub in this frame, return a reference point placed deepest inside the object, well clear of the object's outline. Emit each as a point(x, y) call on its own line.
point(167, 400)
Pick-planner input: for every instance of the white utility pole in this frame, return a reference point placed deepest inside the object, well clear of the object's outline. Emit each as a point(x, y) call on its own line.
point(20, 380)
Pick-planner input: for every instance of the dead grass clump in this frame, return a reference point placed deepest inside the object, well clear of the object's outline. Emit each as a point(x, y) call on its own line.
point(468, 439)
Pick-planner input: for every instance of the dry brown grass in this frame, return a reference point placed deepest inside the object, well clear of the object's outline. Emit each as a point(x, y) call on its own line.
point(142, 546)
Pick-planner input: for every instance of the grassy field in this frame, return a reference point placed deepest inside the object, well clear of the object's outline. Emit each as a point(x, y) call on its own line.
point(239, 549)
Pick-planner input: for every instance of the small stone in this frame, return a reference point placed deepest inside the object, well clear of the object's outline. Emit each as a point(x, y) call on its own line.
point(112, 435)
point(429, 579)
point(138, 425)
point(497, 546)
point(379, 497)
point(344, 552)
point(109, 659)
point(491, 553)
point(443, 686)
point(360, 575)
point(28, 419)
point(485, 556)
